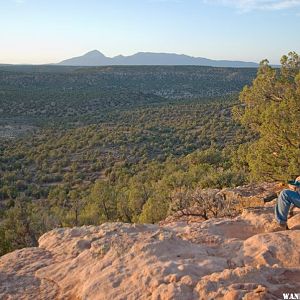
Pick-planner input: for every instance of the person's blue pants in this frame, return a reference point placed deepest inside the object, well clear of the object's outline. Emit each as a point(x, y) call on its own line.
point(285, 199)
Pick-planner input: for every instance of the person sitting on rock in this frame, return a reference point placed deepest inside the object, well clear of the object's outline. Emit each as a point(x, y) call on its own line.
point(287, 198)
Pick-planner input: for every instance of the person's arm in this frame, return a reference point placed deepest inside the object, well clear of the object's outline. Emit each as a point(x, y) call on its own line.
point(295, 188)
point(298, 188)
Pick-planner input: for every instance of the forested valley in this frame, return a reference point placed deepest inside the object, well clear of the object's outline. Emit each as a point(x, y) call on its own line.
point(83, 146)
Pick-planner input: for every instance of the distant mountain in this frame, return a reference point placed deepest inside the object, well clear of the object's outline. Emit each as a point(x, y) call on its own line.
point(96, 58)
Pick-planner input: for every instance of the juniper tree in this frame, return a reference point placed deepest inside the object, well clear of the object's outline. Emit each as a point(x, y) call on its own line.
point(271, 108)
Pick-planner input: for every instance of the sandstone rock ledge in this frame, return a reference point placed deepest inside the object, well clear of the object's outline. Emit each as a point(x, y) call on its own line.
point(215, 259)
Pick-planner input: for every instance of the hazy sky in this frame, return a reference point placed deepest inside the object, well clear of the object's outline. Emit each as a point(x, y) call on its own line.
point(45, 31)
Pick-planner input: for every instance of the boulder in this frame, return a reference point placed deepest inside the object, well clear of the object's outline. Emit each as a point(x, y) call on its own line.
point(225, 258)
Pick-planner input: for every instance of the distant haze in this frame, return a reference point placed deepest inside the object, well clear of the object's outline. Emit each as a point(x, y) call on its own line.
point(96, 58)
point(44, 32)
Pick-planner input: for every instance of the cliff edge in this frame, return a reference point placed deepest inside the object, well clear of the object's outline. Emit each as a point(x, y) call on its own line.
point(214, 259)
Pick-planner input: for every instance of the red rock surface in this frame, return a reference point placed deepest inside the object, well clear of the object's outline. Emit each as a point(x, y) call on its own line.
point(215, 259)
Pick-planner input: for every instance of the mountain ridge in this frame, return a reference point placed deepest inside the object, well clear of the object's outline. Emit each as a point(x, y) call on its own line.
point(97, 58)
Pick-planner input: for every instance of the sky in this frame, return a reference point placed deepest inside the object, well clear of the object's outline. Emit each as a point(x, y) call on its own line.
point(48, 31)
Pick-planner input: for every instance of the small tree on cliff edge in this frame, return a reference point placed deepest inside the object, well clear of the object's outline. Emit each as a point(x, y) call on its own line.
point(271, 107)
